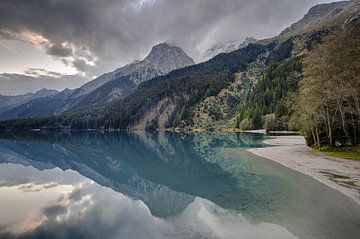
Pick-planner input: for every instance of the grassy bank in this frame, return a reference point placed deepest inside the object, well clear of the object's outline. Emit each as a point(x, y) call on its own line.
point(352, 153)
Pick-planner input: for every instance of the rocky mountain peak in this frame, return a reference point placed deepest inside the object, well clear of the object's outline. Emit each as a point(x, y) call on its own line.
point(162, 46)
point(162, 59)
point(44, 93)
point(316, 17)
point(320, 10)
point(165, 58)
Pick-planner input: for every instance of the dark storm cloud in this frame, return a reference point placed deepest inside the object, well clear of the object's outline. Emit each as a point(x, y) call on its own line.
point(59, 50)
point(98, 36)
point(80, 65)
point(54, 211)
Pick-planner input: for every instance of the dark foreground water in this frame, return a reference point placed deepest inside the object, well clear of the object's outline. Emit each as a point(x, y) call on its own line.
point(138, 185)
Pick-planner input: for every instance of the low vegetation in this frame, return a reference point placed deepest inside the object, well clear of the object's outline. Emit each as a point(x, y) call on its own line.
point(352, 153)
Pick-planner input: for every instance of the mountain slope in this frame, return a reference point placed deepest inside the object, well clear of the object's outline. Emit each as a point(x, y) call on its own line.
point(163, 102)
point(92, 85)
point(168, 101)
point(118, 84)
point(39, 107)
point(218, 111)
point(270, 103)
point(323, 15)
point(162, 59)
point(10, 102)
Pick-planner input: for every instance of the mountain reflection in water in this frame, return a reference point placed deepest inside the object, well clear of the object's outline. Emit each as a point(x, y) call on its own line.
point(142, 185)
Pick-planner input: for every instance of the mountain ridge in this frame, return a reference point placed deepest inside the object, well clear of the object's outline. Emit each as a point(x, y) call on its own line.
point(319, 16)
point(8, 102)
point(117, 84)
point(162, 59)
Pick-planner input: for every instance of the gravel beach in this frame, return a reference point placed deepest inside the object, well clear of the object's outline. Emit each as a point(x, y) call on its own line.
point(292, 152)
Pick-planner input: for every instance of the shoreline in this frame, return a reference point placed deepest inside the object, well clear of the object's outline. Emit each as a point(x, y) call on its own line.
point(291, 151)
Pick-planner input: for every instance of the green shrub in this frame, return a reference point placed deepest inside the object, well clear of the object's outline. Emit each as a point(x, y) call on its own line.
point(270, 122)
point(246, 124)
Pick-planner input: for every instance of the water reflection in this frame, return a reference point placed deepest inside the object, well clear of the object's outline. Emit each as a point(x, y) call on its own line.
point(141, 185)
point(151, 167)
point(85, 209)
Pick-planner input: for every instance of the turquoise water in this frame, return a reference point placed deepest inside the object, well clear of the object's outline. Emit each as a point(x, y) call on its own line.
point(166, 185)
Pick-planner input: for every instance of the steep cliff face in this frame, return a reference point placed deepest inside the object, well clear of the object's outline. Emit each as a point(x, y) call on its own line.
point(218, 112)
point(162, 59)
point(158, 117)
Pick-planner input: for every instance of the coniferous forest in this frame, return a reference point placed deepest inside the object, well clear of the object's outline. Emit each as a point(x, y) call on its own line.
point(317, 93)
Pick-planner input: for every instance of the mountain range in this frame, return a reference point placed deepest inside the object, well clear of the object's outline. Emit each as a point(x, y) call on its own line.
point(118, 84)
point(209, 95)
point(108, 87)
point(9, 102)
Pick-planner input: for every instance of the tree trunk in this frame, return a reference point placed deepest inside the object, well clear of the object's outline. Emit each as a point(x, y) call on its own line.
point(357, 104)
point(344, 126)
point(354, 128)
point(330, 136)
point(313, 135)
point(317, 137)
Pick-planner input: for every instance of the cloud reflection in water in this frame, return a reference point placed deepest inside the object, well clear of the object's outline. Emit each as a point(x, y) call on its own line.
point(88, 210)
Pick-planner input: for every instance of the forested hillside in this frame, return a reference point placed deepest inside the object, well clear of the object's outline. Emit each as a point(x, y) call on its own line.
point(174, 96)
point(267, 104)
point(327, 106)
point(162, 102)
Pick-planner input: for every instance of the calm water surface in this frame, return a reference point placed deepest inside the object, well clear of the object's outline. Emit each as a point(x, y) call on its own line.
point(140, 185)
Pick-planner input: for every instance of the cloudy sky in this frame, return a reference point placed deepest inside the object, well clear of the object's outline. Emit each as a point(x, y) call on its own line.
point(64, 43)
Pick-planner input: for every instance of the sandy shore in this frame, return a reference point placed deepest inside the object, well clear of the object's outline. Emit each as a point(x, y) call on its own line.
point(291, 151)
